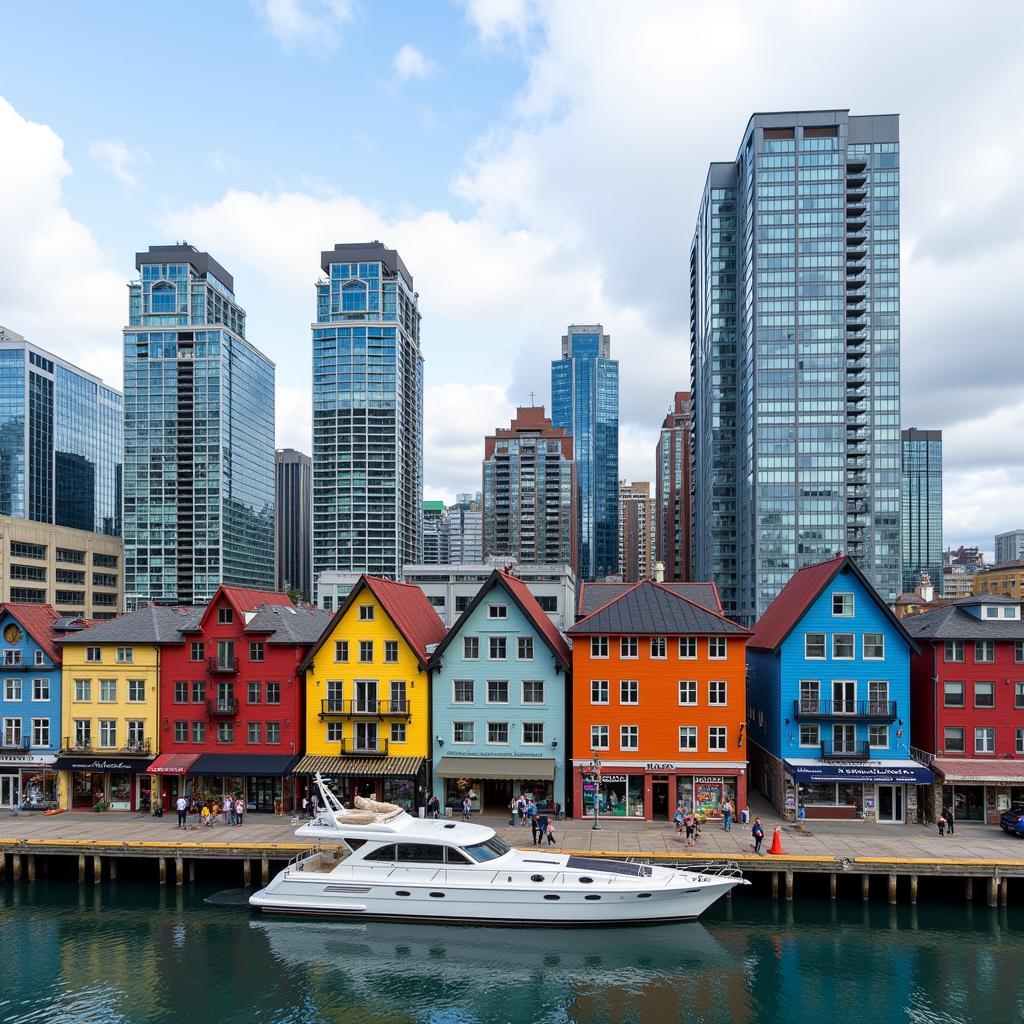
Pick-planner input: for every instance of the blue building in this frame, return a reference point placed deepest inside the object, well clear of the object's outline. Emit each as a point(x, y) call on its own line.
point(828, 694)
point(499, 700)
point(585, 404)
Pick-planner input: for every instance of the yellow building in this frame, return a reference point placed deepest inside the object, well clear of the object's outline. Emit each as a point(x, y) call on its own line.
point(1007, 579)
point(109, 708)
point(368, 694)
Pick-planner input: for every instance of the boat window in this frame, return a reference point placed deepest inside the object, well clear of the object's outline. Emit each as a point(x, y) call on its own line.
point(354, 844)
point(456, 856)
point(384, 853)
point(490, 850)
point(420, 853)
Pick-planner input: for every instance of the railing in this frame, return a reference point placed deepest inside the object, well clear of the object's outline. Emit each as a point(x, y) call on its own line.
point(15, 747)
point(140, 747)
point(379, 748)
point(13, 659)
point(222, 706)
point(221, 666)
point(362, 706)
point(856, 751)
point(873, 710)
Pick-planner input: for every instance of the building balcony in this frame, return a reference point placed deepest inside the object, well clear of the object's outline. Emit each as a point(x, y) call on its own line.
point(138, 748)
point(222, 666)
point(363, 748)
point(13, 659)
point(855, 710)
point(857, 751)
point(15, 747)
point(225, 707)
point(363, 708)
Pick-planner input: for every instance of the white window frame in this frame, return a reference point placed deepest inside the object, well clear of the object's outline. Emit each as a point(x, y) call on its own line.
point(472, 731)
point(632, 735)
point(629, 643)
point(633, 688)
point(13, 689)
point(607, 691)
point(125, 655)
point(885, 729)
point(106, 684)
point(520, 641)
point(97, 651)
point(992, 691)
point(340, 652)
point(543, 694)
point(716, 643)
point(597, 645)
point(824, 647)
point(843, 613)
point(533, 743)
point(853, 647)
point(716, 733)
point(497, 682)
point(690, 650)
point(499, 743)
point(470, 657)
point(398, 732)
point(956, 647)
point(491, 641)
point(712, 684)
point(816, 743)
point(367, 613)
point(455, 692)
point(963, 739)
point(83, 691)
point(43, 684)
point(691, 734)
point(659, 648)
point(497, 611)
point(987, 643)
point(864, 647)
point(963, 693)
point(136, 700)
point(108, 726)
point(596, 732)
point(990, 733)
point(37, 725)
point(691, 686)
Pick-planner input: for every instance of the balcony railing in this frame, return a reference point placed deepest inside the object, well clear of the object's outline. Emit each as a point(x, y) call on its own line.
point(12, 746)
point(221, 666)
point(358, 748)
point(856, 751)
point(858, 710)
point(227, 706)
point(140, 748)
point(362, 707)
point(13, 659)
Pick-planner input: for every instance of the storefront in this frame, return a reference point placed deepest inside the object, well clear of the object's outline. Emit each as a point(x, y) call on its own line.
point(119, 783)
point(977, 790)
point(264, 782)
point(169, 771)
point(396, 780)
point(492, 783)
point(28, 781)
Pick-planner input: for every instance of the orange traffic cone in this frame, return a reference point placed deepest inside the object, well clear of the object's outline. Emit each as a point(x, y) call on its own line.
point(776, 846)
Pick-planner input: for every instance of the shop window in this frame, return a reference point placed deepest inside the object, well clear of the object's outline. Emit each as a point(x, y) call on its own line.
point(953, 695)
point(814, 646)
point(688, 691)
point(620, 796)
point(598, 691)
point(688, 647)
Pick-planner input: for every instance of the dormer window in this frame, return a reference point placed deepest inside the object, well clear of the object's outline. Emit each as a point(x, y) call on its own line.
point(1011, 611)
point(225, 615)
point(990, 611)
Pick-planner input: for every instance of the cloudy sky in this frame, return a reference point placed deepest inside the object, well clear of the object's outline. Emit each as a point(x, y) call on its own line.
point(535, 164)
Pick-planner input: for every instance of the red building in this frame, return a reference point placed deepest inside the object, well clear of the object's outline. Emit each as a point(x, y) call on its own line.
point(232, 700)
point(967, 705)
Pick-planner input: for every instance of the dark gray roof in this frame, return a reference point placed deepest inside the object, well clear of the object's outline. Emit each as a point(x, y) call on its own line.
point(652, 608)
point(289, 625)
point(594, 595)
point(365, 252)
point(975, 599)
point(154, 624)
point(954, 622)
point(182, 252)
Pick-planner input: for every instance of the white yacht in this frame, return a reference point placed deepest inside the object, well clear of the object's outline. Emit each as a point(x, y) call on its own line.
point(378, 862)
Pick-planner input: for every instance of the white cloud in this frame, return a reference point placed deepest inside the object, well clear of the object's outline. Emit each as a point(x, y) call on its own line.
point(118, 158)
point(496, 21)
point(293, 412)
point(410, 63)
point(309, 24)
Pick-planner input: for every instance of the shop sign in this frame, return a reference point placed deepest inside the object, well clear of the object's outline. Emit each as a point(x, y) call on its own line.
point(102, 766)
point(709, 780)
point(613, 778)
point(659, 766)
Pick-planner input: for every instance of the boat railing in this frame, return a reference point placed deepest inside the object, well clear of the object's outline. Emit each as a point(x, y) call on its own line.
point(303, 855)
point(719, 869)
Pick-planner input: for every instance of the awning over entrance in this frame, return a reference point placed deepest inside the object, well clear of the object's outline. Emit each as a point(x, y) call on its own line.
point(539, 768)
point(811, 770)
point(979, 772)
point(372, 767)
point(102, 764)
point(243, 764)
point(172, 764)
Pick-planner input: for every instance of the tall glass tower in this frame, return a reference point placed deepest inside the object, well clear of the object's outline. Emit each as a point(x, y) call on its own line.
point(585, 404)
point(367, 414)
point(199, 435)
point(60, 441)
point(795, 356)
point(922, 507)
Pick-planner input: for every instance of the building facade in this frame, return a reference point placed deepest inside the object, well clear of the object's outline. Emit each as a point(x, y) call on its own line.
point(199, 435)
point(367, 414)
point(293, 513)
point(967, 684)
point(499, 687)
point(1009, 546)
point(795, 356)
point(60, 441)
point(1006, 579)
point(466, 529)
point(673, 485)
point(659, 701)
point(922, 506)
point(585, 404)
point(529, 492)
point(636, 531)
point(828, 687)
point(436, 537)
point(958, 568)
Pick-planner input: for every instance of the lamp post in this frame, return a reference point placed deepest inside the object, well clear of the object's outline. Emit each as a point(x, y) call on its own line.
point(597, 791)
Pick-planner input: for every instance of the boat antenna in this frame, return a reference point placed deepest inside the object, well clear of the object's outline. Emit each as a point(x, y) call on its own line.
point(329, 799)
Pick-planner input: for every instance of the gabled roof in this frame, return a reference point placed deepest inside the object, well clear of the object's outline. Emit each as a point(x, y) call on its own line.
point(243, 601)
point(595, 595)
point(803, 589)
point(527, 604)
point(287, 624)
point(954, 622)
point(39, 622)
point(653, 608)
point(154, 624)
point(407, 607)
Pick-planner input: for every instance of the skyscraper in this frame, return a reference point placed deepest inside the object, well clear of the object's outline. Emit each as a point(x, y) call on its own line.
point(367, 414)
point(922, 507)
point(585, 404)
point(795, 356)
point(294, 521)
point(636, 531)
point(436, 549)
point(1009, 546)
point(198, 435)
point(529, 493)
point(60, 441)
point(674, 525)
point(465, 529)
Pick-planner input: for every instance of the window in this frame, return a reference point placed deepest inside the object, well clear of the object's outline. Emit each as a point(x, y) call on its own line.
point(814, 646)
point(334, 732)
point(1018, 695)
point(341, 650)
point(92, 654)
point(497, 691)
point(599, 647)
point(255, 693)
point(461, 602)
point(471, 648)
point(659, 647)
point(226, 654)
point(497, 611)
point(874, 646)
point(533, 691)
point(225, 732)
point(181, 732)
point(391, 652)
point(629, 691)
point(108, 732)
point(985, 740)
point(273, 693)
point(533, 732)
point(842, 606)
point(598, 691)
point(104, 561)
point(984, 651)
point(717, 692)
point(40, 689)
point(842, 646)
point(366, 650)
point(136, 733)
point(687, 737)
point(717, 737)
point(953, 740)
point(39, 658)
point(1020, 741)
point(599, 737)
point(878, 736)
point(717, 647)
point(497, 732)
point(181, 692)
point(83, 689)
point(984, 695)
point(12, 732)
point(83, 734)
point(12, 689)
point(953, 650)
point(273, 732)
point(125, 655)
point(463, 732)
point(810, 735)
point(687, 647)
point(629, 737)
point(1018, 651)
point(225, 615)
point(991, 612)
point(810, 696)
point(198, 650)
point(524, 648)
point(136, 691)
point(462, 691)
point(496, 649)
point(256, 650)
point(198, 691)
point(547, 602)
point(20, 550)
point(254, 731)
point(687, 691)
point(366, 613)
point(398, 732)
point(629, 647)
point(878, 697)
point(198, 732)
point(40, 732)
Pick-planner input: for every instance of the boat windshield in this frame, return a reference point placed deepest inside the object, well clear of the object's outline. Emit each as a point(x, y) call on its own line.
point(491, 850)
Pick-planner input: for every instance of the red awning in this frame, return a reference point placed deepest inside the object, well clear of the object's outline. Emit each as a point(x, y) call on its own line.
point(172, 764)
point(981, 770)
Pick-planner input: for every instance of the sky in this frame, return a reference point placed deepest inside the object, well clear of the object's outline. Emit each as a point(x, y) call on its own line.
point(536, 164)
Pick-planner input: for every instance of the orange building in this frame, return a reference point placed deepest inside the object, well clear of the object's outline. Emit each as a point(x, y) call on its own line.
point(659, 697)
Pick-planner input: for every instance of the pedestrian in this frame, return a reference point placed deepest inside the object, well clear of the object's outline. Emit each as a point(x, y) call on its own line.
point(690, 824)
point(678, 819)
point(239, 811)
point(315, 804)
point(758, 833)
point(542, 829)
point(551, 836)
point(229, 809)
point(727, 815)
point(521, 809)
point(214, 809)
point(467, 808)
point(512, 812)
point(182, 807)
point(950, 818)
point(434, 805)
point(533, 827)
point(305, 806)
point(205, 815)
point(941, 825)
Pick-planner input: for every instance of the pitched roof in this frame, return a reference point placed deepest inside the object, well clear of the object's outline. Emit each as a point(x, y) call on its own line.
point(153, 624)
point(249, 600)
point(954, 622)
point(595, 595)
point(653, 608)
point(984, 598)
point(287, 624)
point(39, 621)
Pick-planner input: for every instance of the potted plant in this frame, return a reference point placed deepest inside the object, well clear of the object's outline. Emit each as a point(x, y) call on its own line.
point(101, 805)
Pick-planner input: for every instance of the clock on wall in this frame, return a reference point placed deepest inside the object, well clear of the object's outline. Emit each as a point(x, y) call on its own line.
point(12, 634)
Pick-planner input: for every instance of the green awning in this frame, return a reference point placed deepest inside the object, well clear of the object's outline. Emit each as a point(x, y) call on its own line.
point(539, 768)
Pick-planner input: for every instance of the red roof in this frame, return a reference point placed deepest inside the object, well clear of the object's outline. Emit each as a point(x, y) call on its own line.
point(37, 620)
point(794, 599)
point(531, 606)
point(408, 608)
point(249, 600)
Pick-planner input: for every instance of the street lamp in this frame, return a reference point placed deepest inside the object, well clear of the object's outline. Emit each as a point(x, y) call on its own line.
point(597, 791)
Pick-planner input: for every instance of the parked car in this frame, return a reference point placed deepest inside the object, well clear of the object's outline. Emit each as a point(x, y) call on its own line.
point(1013, 820)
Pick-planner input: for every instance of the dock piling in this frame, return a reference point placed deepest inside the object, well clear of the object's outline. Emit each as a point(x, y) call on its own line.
point(913, 889)
point(179, 871)
point(16, 872)
point(789, 886)
point(265, 871)
point(246, 873)
point(113, 868)
point(31, 868)
point(97, 870)
point(865, 886)
point(993, 891)
point(892, 888)
point(969, 889)
point(3, 863)
point(775, 885)
point(81, 868)
point(163, 870)
point(1003, 894)
point(191, 870)
point(832, 886)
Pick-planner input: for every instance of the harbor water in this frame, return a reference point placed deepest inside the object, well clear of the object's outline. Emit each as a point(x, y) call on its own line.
point(126, 952)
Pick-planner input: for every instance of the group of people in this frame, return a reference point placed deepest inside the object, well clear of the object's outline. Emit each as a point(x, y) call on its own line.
point(311, 805)
point(525, 810)
point(233, 809)
point(947, 821)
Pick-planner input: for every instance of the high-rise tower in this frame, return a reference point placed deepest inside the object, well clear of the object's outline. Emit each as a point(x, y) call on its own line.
point(673, 501)
point(294, 522)
point(922, 507)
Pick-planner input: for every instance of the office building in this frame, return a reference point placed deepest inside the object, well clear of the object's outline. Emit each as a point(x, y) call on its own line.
point(673, 506)
point(1005, 579)
point(529, 493)
point(922, 506)
point(60, 441)
point(1009, 546)
point(636, 532)
point(199, 435)
point(435, 533)
point(367, 414)
point(585, 404)
point(293, 512)
point(958, 568)
point(795, 356)
point(465, 529)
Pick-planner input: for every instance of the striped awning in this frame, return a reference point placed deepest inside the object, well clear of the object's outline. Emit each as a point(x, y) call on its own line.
point(404, 767)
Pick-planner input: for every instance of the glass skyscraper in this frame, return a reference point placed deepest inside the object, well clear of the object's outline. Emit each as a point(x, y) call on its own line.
point(367, 414)
point(199, 435)
point(585, 404)
point(60, 441)
point(922, 507)
point(795, 356)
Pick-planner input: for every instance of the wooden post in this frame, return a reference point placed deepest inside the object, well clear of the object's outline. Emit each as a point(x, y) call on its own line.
point(97, 870)
point(969, 889)
point(191, 870)
point(246, 873)
point(892, 888)
point(913, 888)
point(775, 885)
point(179, 871)
point(31, 867)
point(865, 886)
point(789, 886)
point(1003, 894)
point(3, 863)
point(163, 870)
point(265, 871)
point(113, 868)
point(832, 886)
point(993, 891)
point(16, 874)
point(81, 868)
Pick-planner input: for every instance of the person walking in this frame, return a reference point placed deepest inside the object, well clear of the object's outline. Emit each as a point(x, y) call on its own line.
point(521, 809)
point(542, 829)
point(950, 818)
point(182, 808)
point(758, 833)
point(727, 815)
point(533, 826)
point(512, 812)
point(305, 806)
point(940, 824)
point(678, 819)
point(551, 836)
point(690, 825)
point(239, 811)
point(467, 808)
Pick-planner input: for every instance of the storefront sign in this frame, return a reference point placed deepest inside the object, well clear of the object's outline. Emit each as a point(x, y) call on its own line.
point(613, 778)
point(877, 771)
point(97, 765)
point(659, 766)
point(708, 780)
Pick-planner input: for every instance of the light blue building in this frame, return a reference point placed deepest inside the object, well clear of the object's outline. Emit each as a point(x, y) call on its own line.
point(199, 435)
point(585, 404)
point(828, 694)
point(500, 688)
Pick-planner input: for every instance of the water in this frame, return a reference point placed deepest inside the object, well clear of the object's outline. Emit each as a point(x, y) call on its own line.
point(127, 953)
